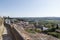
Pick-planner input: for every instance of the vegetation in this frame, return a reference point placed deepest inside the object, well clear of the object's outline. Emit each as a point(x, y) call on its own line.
point(30, 30)
point(38, 30)
point(55, 34)
point(52, 32)
point(51, 24)
point(33, 31)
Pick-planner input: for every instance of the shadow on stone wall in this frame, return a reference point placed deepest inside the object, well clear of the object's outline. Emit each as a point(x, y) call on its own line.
point(17, 35)
point(9, 35)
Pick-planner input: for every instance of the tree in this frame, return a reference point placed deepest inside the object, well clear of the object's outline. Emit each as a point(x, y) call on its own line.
point(57, 26)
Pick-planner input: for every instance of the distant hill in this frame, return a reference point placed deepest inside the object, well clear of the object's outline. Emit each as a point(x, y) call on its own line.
point(35, 18)
point(40, 18)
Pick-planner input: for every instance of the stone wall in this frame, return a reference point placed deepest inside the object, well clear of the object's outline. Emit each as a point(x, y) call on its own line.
point(1, 26)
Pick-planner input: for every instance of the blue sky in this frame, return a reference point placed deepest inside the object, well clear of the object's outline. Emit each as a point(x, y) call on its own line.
point(30, 8)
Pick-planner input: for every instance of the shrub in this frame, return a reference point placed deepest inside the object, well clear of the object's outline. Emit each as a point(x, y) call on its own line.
point(30, 30)
point(37, 30)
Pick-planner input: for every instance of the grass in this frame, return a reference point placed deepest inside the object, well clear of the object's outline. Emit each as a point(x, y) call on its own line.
point(30, 31)
point(33, 30)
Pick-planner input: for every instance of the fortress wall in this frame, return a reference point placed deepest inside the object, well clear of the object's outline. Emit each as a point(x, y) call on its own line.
point(1, 26)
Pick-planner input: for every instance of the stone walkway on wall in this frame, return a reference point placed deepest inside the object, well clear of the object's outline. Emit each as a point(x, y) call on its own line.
point(6, 34)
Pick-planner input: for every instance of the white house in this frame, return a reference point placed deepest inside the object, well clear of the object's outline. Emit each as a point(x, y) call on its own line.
point(8, 21)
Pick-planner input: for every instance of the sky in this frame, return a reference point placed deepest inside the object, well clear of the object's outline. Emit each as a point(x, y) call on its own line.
point(30, 8)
